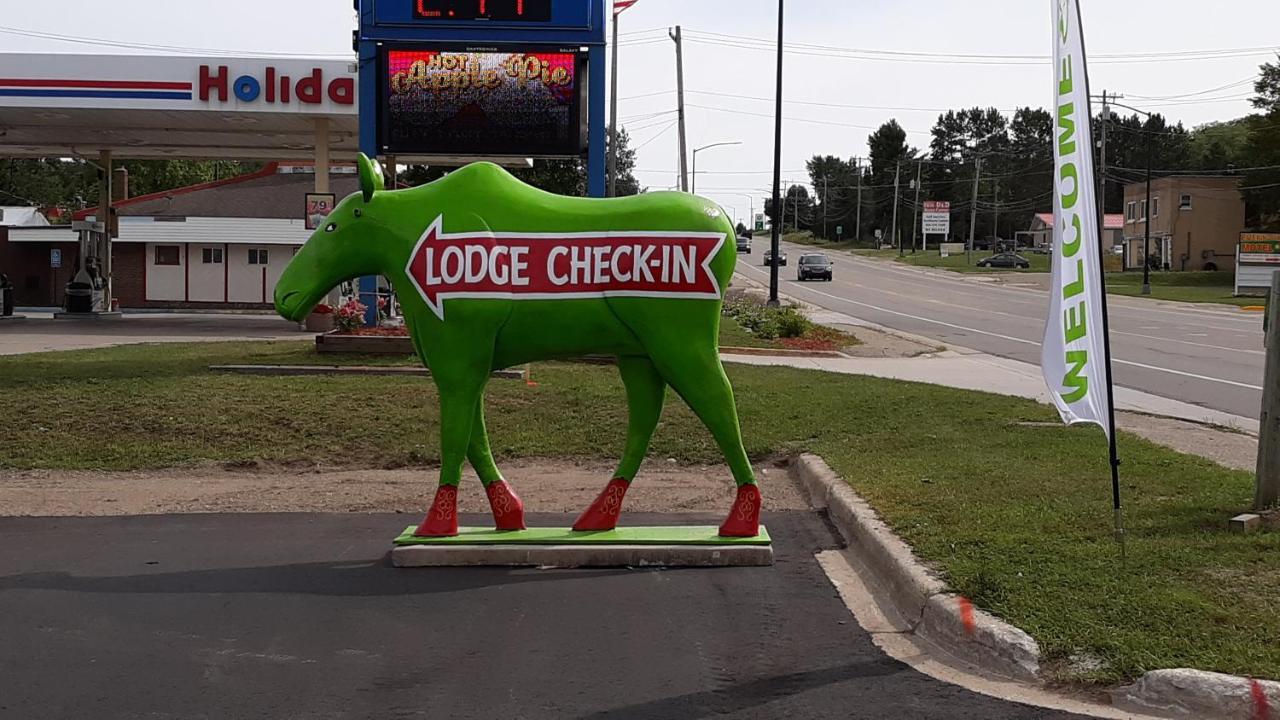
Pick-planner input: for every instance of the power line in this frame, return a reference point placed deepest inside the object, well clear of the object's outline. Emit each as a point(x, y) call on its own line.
point(168, 48)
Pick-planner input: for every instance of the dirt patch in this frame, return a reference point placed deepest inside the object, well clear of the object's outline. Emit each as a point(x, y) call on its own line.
point(544, 485)
point(876, 344)
point(1229, 449)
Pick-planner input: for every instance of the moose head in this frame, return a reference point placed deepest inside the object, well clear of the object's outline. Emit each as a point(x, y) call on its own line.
point(353, 242)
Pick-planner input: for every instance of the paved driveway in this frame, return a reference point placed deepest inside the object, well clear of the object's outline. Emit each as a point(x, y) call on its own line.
point(298, 616)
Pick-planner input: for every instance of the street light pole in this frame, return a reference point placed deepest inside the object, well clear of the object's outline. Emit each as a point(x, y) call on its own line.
point(777, 170)
point(695, 159)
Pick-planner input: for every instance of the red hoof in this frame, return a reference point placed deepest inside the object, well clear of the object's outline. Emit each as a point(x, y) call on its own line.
point(508, 511)
point(442, 518)
point(744, 517)
point(603, 513)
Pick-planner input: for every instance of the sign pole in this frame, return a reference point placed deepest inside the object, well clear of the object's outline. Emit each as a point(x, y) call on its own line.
point(777, 173)
point(1267, 493)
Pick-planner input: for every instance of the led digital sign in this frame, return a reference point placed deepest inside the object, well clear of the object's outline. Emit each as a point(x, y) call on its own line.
point(464, 102)
point(503, 10)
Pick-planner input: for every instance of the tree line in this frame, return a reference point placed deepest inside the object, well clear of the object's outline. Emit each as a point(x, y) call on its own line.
point(72, 184)
point(1013, 160)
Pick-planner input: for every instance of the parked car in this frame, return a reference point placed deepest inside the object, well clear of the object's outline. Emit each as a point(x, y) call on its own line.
point(813, 267)
point(744, 244)
point(1005, 260)
point(768, 258)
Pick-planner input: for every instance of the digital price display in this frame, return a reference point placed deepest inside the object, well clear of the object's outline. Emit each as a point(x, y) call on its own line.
point(503, 10)
point(445, 102)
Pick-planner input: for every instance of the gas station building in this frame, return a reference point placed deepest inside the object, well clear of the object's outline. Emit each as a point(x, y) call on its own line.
point(299, 116)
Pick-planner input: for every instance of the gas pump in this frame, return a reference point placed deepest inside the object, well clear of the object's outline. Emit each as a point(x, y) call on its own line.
point(87, 291)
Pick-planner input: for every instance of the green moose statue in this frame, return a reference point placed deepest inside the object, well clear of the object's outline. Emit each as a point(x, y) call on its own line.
point(492, 273)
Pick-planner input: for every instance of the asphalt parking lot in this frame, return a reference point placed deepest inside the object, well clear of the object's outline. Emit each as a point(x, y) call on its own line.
point(300, 616)
point(39, 332)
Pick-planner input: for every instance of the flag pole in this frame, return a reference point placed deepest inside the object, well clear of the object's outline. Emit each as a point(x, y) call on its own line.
point(1114, 454)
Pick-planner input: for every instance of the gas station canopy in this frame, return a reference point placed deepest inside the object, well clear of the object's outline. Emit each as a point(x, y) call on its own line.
point(144, 106)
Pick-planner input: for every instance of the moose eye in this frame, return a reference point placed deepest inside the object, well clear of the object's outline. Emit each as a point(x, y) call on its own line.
point(331, 227)
point(357, 212)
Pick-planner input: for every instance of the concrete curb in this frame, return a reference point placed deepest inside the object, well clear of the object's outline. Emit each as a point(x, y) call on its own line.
point(951, 622)
point(1187, 693)
point(945, 619)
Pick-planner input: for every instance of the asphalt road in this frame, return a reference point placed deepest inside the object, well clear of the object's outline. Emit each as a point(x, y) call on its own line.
point(299, 616)
point(1211, 356)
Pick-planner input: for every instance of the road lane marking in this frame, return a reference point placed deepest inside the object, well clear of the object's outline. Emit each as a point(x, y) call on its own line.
point(1119, 303)
point(1114, 360)
point(1040, 321)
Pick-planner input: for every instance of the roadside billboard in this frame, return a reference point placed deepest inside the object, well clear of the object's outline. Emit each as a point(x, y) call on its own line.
point(936, 218)
point(1257, 259)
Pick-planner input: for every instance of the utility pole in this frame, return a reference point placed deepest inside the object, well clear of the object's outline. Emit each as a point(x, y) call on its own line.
point(777, 168)
point(824, 207)
point(1146, 241)
point(973, 211)
point(1102, 176)
point(915, 210)
point(613, 112)
point(995, 212)
point(684, 174)
point(857, 227)
point(897, 172)
point(1268, 488)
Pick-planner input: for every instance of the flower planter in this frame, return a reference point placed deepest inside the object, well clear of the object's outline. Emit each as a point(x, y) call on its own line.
point(332, 342)
point(318, 322)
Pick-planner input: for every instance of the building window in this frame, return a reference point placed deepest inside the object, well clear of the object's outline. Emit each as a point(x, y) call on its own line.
point(1142, 208)
point(167, 255)
point(1131, 211)
point(212, 256)
point(1155, 207)
point(257, 256)
point(1184, 203)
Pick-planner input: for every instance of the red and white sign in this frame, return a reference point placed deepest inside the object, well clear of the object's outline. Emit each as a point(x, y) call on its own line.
point(936, 218)
point(553, 266)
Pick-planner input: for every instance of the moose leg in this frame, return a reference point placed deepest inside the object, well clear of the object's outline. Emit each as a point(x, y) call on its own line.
point(697, 375)
point(508, 510)
point(646, 391)
point(459, 395)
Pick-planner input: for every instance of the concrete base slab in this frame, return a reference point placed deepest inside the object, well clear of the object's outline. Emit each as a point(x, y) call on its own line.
point(578, 556)
point(662, 546)
point(3, 318)
point(88, 316)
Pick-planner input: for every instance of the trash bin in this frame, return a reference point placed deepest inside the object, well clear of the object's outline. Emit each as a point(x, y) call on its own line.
point(6, 296)
point(79, 297)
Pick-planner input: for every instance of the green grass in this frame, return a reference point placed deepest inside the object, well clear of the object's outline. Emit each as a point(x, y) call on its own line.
point(807, 238)
point(1016, 516)
point(958, 263)
point(1196, 287)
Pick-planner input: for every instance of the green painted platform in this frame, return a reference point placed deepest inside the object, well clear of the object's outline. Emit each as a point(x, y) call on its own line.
point(670, 535)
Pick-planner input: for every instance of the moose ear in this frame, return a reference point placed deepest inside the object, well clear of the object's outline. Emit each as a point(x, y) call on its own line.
point(370, 176)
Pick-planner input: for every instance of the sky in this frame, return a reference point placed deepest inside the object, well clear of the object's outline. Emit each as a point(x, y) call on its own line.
point(1188, 60)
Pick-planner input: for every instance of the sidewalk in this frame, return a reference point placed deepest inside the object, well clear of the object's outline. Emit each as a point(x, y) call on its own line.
point(39, 332)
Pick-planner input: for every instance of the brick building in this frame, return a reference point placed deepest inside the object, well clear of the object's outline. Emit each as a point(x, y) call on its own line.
point(1196, 222)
